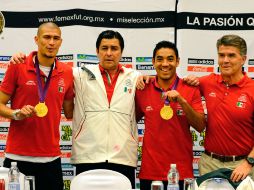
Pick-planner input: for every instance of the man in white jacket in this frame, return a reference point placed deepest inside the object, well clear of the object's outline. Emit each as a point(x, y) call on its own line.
point(104, 127)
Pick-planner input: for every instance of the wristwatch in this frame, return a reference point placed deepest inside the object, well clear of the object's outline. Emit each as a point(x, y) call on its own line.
point(250, 160)
point(15, 114)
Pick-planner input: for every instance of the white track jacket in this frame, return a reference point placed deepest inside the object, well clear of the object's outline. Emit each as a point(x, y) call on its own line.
point(101, 131)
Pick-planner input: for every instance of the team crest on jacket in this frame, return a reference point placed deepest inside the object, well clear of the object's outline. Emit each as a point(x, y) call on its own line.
point(61, 85)
point(128, 86)
point(241, 103)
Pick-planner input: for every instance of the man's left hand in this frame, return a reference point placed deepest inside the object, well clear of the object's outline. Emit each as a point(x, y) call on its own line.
point(241, 171)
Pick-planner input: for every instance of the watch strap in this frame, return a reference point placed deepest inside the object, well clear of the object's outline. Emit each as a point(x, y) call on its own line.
point(250, 160)
point(14, 114)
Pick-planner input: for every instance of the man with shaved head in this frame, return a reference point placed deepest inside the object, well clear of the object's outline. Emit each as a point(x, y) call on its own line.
point(38, 91)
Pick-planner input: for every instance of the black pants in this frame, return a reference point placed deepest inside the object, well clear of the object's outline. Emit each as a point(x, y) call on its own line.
point(128, 171)
point(146, 184)
point(48, 176)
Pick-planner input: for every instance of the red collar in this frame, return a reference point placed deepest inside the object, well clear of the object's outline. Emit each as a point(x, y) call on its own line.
point(156, 85)
point(119, 68)
point(239, 83)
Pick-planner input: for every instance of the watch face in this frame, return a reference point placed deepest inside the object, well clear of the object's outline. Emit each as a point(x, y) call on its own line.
point(250, 160)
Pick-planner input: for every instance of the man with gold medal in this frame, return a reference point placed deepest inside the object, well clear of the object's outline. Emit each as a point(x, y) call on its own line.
point(35, 111)
point(170, 107)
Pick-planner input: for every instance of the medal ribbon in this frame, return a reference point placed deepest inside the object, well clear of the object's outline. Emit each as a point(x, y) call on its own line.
point(42, 91)
point(166, 102)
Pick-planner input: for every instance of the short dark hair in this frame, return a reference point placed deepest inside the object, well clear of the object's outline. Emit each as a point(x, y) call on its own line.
point(165, 44)
point(233, 40)
point(110, 34)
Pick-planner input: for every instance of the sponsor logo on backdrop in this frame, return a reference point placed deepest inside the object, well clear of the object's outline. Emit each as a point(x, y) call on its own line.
point(2, 155)
point(3, 137)
point(147, 63)
point(144, 59)
point(2, 22)
point(87, 57)
point(67, 165)
point(65, 147)
point(68, 173)
point(201, 65)
point(196, 172)
point(250, 69)
point(202, 134)
point(216, 21)
point(2, 147)
point(200, 69)
point(67, 184)
point(67, 132)
point(251, 62)
point(4, 129)
point(65, 155)
point(145, 67)
point(5, 58)
point(84, 63)
point(196, 160)
point(3, 65)
point(141, 131)
point(126, 59)
point(139, 153)
point(201, 61)
point(65, 57)
point(1, 76)
point(197, 153)
point(194, 136)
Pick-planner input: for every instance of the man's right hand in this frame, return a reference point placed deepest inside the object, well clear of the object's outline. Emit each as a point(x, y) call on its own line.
point(18, 58)
point(191, 80)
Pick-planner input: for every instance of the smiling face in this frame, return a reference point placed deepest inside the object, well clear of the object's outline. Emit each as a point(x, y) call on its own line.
point(165, 63)
point(230, 61)
point(109, 53)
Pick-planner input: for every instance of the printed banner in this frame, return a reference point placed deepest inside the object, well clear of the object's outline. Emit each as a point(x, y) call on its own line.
point(142, 25)
point(201, 22)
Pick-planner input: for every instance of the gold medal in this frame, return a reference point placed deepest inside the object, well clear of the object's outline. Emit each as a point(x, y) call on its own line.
point(166, 112)
point(41, 109)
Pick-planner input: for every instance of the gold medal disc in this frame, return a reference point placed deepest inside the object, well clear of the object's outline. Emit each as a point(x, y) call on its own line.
point(41, 109)
point(166, 112)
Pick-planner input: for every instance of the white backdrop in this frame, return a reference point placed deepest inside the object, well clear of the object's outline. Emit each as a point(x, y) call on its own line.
point(142, 24)
point(198, 24)
point(202, 22)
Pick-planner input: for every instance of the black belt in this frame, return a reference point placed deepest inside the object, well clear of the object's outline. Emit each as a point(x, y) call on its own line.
point(224, 158)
